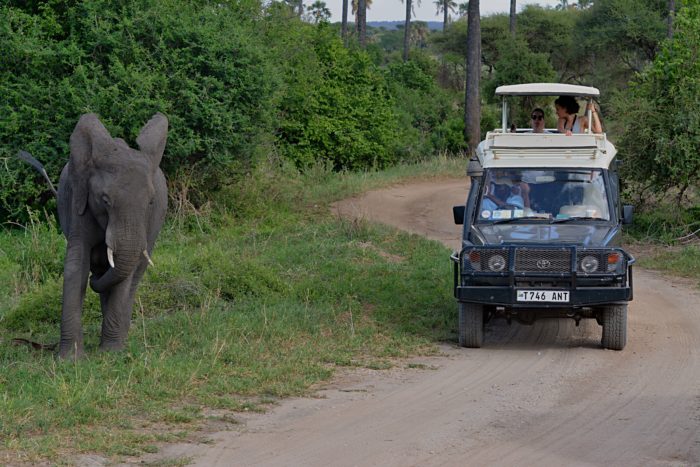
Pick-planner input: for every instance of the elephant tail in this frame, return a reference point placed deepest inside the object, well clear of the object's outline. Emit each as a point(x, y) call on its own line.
point(29, 159)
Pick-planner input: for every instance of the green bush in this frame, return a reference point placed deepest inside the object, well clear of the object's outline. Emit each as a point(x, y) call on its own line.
point(661, 137)
point(191, 60)
point(335, 106)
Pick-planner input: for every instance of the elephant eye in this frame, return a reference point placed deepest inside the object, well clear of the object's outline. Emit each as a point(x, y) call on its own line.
point(106, 201)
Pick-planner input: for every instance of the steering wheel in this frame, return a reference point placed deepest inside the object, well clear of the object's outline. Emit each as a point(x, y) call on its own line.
point(511, 206)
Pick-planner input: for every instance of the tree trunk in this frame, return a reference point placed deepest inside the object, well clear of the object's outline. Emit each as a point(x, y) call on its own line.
point(344, 25)
point(300, 8)
point(472, 107)
point(671, 13)
point(362, 22)
point(406, 30)
point(445, 17)
point(512, 18)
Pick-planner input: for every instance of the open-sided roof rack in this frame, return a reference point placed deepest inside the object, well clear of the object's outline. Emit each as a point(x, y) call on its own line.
point(544, 89)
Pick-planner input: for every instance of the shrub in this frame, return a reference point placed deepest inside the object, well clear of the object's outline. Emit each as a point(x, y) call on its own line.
point(191, 60)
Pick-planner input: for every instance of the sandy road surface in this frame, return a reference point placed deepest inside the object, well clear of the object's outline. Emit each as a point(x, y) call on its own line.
point(544, 395)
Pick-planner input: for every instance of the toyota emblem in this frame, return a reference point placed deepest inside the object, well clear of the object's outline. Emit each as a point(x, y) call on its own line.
point(543, 264)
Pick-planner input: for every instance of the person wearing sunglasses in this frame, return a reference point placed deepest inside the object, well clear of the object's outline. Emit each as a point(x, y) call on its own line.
point(537, 120)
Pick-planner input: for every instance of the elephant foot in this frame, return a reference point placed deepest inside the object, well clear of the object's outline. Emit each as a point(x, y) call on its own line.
point(112, 345)
point(73, 351)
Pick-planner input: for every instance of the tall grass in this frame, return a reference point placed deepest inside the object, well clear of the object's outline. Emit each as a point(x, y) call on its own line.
point(257, 299)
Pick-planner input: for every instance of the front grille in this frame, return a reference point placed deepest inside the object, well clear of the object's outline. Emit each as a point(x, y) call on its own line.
point(540, 260)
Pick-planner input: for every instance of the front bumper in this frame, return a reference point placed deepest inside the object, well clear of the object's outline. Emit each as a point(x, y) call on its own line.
point(500, 288)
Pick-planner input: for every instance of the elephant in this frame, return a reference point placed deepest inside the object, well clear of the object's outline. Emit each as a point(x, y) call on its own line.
point(112, 202)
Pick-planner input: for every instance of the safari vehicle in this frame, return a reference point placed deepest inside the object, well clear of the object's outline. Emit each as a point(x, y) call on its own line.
point(542, 229)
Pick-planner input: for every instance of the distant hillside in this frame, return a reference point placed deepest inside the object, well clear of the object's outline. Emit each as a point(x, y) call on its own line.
point(390, 25)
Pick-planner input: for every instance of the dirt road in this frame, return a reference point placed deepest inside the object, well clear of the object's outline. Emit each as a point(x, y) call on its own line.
point(544, 395)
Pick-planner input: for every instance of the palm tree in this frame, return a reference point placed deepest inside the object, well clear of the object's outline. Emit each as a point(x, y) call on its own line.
point(344, 24)
point(368, 4)
point(419, 33)
point(361, 20)
point(407, 27)
point(671, 5)
point(472, 108)
point(512, 18)
point(319, 11)
point(445, 6)
point(462, 9)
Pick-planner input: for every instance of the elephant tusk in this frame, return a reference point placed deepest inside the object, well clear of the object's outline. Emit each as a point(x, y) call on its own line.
point(145, 253)
point(110, 257)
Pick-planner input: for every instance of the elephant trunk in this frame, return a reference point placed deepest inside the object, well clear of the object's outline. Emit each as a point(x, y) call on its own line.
point(124, 258)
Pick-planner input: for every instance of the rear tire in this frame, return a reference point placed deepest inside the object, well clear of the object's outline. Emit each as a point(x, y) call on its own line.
point(471, 325)
point(614, 327)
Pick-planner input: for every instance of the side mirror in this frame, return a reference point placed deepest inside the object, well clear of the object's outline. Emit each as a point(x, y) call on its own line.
point(474, 168)
point(458, 213)
point(627, 214)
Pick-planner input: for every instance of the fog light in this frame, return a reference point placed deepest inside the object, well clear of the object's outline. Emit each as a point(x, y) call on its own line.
point(589, 264)
point(497, 263)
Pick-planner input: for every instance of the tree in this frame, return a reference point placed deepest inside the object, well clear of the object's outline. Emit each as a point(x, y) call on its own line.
point(407, 30)
point(472, 107)
point(462, 9)
point(659, 113)
point(512, 17)
point(361, 20)
point(344, 24)
point(444, 7)
point(319, 11)
point(671, 12)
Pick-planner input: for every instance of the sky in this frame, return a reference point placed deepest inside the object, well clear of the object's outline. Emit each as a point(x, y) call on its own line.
point(394, 10)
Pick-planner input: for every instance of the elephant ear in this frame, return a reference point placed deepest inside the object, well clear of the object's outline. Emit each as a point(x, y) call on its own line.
point(89, 141)
point(153, 137)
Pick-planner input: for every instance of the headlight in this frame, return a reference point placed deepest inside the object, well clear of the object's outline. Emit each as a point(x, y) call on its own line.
point(497, 263)
point(589, 264)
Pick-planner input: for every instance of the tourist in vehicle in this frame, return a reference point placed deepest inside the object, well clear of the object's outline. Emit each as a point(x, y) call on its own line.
point(508, 193)
point(569, 121)
point(537, 120)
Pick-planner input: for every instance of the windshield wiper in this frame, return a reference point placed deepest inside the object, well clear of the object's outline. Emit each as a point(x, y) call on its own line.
point(511, 219)
point(569, 219)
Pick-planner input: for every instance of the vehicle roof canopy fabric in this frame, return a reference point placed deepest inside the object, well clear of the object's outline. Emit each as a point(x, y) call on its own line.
point(547, 89)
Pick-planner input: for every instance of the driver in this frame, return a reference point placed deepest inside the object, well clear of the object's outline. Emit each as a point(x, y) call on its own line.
point(500, 195)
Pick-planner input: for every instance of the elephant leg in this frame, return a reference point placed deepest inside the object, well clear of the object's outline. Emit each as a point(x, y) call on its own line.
point(116, 316)
point(75, 274)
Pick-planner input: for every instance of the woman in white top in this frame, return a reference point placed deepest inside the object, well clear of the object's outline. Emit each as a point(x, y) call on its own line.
point(569, 121)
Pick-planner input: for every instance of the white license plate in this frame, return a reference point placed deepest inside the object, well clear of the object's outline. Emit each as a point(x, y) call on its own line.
point(556, 296)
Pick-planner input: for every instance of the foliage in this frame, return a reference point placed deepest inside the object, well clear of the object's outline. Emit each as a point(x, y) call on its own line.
point(335, 106)
point(125, 62)
point(429, 119)
point(661, 140)
point(299, 295)
point(617, 38)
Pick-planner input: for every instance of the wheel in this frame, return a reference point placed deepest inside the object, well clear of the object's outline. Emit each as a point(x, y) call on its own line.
point(471, 324)
point(614, 327)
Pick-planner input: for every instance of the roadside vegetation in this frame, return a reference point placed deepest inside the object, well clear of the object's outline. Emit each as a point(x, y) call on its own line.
point(258, 291)
point(237, 313)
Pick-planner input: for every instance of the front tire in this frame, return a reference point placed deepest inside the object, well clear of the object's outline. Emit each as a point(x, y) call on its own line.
point(471, 325)
point(614, 327)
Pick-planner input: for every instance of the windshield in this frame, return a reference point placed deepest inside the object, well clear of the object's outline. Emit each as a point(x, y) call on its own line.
point(511, 194)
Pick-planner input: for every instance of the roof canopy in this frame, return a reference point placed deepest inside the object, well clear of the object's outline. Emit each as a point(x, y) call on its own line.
point(547, 89)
